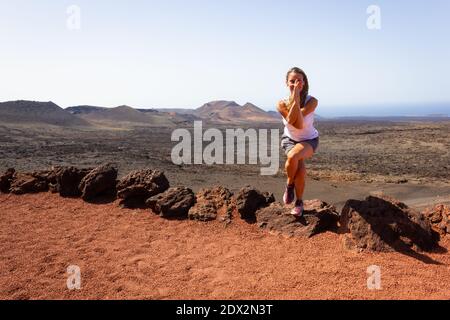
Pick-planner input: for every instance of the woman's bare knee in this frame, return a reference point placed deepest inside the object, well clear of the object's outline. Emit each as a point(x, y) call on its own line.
point(295, 153)
point(291, 156)
point(306, 151)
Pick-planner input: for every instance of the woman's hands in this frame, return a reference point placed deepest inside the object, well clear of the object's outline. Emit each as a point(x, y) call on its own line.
point(293, 114)
point(298, 87)
point(296, 91)
point(291, 111)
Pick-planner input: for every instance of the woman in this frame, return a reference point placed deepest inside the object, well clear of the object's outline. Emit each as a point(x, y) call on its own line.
point(300, 139)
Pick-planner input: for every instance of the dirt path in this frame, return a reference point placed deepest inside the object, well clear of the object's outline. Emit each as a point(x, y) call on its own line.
point(135, 254)
point(418, 196)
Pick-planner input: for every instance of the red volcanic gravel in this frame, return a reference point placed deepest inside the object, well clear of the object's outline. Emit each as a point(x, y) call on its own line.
point(134, 254)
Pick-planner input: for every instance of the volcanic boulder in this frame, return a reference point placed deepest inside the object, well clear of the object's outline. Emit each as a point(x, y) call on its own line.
point(140, 185)
point(382, 223)
point(99, 181)
point(30, 182)
point(318, 217)
point(67, 181)
point(52, 179)
point(249, 199)
point(6, 179)
point(211, 203)
point(173, 203)
point(439, 217)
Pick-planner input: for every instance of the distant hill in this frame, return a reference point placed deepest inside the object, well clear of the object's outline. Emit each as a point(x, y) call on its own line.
point(124, 115)
point(220, 112)
point(275, 114)
point(177, 114)
point(230, 112)
point(38, 112)
point(84, 109)
point(176, 110)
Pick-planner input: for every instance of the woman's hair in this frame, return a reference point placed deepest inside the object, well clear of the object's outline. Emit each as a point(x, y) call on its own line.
point(305, 89)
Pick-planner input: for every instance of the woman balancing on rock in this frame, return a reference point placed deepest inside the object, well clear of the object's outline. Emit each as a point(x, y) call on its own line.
point(300, 139)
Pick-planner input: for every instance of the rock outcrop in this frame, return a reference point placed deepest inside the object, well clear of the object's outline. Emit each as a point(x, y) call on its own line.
point(99, 181)
point(211, 204)
point(30, 182)
point(6, 179)
point(67, 181)
point(439, 217)
point(249, 200)
point(382, 223)
point(318, 217)
point(135, 188)
point(173, 203)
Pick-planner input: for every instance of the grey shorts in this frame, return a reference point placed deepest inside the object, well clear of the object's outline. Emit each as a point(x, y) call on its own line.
point(287, 143)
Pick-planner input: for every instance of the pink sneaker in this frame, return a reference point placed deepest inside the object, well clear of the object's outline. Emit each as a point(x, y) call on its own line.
point(298, 209)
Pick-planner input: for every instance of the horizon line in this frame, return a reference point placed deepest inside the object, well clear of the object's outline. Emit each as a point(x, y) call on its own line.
point(351, 111)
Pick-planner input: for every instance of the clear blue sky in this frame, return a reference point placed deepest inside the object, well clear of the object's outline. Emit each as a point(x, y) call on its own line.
point(185, 53)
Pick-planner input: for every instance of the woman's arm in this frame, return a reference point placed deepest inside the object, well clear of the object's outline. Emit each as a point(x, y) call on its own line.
point(291, 112)
point(310, 106)
point(298, 122)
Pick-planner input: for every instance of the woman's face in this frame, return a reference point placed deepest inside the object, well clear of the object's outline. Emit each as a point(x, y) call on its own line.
point(293, 77)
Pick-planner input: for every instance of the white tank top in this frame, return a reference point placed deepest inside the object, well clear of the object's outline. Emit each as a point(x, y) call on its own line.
point(307, 133)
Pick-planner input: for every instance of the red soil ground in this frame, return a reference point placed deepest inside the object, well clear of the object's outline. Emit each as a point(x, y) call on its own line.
point(128, 254)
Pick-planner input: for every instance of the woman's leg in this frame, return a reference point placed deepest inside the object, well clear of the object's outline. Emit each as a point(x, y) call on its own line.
point(291, 167)
point(300, 151)
point(300, 179)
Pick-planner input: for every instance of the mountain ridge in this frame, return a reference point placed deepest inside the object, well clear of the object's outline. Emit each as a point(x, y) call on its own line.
point(24, 111)
point(217, 111)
